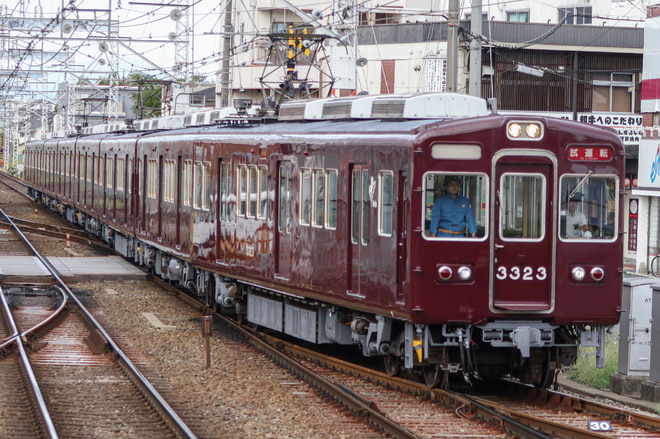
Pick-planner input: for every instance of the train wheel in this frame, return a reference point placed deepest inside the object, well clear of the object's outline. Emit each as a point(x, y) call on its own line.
point(432, 375)
point(392, 365)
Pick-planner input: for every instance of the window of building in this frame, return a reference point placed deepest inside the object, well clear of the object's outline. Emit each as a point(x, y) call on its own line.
point(613, 92)
point(576, 15)
point(518, 16)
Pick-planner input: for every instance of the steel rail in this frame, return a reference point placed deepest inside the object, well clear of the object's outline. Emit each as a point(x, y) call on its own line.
point(176, 421)
point(42, 411)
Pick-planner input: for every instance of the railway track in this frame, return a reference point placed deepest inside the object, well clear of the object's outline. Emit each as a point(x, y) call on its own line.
point(402, 408)
point(82, 383)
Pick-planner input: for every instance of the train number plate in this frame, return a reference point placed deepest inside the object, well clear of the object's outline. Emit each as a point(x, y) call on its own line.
point(600, 426)
point(521, 273)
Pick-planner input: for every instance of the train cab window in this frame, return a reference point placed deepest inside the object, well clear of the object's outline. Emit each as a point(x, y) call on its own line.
point(464, 216)
point(522, 206)
point(331, 199)
point(588, 207)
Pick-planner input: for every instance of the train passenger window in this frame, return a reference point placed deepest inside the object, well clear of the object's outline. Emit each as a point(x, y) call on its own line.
point(121, 174)
point(319, 198)
point(254, 180)
point(169, 183)
point(110, 170)
point(588, 207)
point(90, 166)
point(152, 180)
point(305, 196)
point(385, 202)
point(225, 188)
point(140, 177)
point(187, 182)
point(203, 186)
point(360, 206)
point(241, 187)
point(263, 192)
point(331, 199)
point(522, 206)
point(462, 218)
point(285, 186)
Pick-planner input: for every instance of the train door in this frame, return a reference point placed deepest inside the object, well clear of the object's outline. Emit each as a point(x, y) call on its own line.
point(523, 238)
point(402, 236)
point(358, 224)
point(223, 209)
point(283, 238)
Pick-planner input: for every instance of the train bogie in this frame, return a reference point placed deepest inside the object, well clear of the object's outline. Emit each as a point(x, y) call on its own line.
point(479, 246)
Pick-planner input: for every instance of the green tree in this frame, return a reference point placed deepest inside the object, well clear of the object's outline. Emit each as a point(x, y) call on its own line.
point(147, 100)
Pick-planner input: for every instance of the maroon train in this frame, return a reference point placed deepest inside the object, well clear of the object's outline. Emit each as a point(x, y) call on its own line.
point(316, 225)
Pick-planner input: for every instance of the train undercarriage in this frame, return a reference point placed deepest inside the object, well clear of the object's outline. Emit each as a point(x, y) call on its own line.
point(532, 351)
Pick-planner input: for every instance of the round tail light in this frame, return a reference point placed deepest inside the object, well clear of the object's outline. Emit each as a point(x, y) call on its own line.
point(444, 272)
point(597, 273)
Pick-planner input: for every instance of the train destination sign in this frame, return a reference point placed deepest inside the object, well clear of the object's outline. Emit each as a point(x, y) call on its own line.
point(589, 153)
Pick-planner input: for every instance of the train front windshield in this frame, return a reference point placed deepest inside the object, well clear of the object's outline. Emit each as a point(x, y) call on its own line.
point(588, 208)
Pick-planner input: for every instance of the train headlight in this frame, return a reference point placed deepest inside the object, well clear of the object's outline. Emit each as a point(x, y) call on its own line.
point(597, 274)
point(533, 130)
point(578, 273)
point(524, 130)
point(444, 272)
point(464, 273)
point(514, 130)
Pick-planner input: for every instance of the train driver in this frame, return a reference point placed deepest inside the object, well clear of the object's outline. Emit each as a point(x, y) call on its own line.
point(452, 213)
point(576, 221)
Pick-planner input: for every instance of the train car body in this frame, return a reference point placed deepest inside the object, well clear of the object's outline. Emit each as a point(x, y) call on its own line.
point(318, 226)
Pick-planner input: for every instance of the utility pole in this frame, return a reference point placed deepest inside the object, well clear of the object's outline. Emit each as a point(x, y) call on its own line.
point(452, 45)
point(226, 56)
point(475, 50)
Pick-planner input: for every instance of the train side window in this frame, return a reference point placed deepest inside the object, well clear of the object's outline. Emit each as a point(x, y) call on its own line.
point(588, 208)
point(110, 170)
point(385, 202)
point(169, 182)
point(305, 196)
point(241, 187)
point(121, 169)
point(285, 188)
point(318, 205)
point(331, 199)
point(187, 182)
point(140, 177)
point(263, 192)
point(152, 180)
point(225, 188)
point(206, 185)
point(473, 186)
point(522, 203)
point(253, 191)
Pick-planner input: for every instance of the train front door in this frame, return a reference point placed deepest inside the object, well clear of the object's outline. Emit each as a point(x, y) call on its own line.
point(523, 236)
